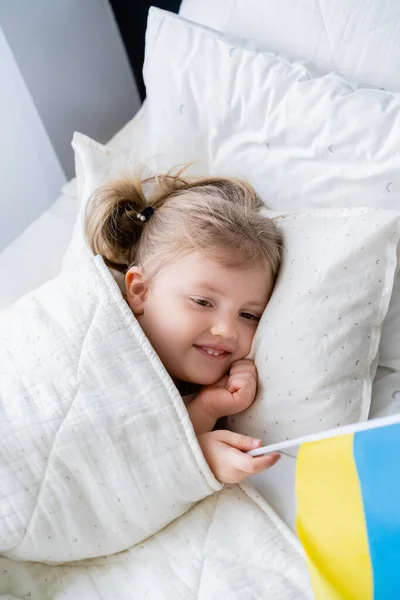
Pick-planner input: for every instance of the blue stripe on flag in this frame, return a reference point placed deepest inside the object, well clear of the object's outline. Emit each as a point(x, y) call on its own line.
point(377, 458)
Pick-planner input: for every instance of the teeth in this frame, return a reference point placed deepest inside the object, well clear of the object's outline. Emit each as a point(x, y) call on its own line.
point(213, 352)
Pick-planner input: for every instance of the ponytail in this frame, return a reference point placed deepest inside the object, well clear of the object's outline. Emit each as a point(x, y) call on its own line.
point(113, 223)
point(112, 227)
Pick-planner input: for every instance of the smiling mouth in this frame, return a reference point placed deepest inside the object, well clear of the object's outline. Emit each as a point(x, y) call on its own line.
point(212, 352)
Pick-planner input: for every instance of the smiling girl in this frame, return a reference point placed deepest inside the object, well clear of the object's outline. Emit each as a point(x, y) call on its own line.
point(199, 264)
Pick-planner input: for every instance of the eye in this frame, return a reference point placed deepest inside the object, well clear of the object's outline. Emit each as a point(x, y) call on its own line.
point(201, 302)
point(249, 316)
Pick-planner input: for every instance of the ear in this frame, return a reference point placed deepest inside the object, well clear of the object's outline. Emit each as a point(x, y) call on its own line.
point(136, 290)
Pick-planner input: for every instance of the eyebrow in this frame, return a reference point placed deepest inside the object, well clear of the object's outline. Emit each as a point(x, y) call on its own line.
point(217, 290)
point(208, 286)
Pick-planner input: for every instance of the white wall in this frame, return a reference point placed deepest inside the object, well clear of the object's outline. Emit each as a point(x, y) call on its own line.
point(74, 64)
point(30, 172)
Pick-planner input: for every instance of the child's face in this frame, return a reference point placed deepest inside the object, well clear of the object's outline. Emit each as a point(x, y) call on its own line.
point(199, 315)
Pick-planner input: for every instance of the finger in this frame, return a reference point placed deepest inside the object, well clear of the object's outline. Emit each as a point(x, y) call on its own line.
point(243, 365)
point(245, 375)
point(238, 441)
point(243, 361)
point(236, 384)
point(253, 465)
point(251, 377)
point(241, 384)
point(260, 463)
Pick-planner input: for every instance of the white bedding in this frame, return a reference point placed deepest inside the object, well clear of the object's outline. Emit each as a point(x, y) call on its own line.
point(36, 255)
point(209, 554)
point(98, 455)
point(358, 38)
point(221, 528)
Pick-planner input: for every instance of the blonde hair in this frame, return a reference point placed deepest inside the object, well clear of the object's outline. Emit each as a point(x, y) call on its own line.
point(218, 216)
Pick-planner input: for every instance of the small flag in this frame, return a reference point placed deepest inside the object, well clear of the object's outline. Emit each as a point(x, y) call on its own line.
point(348, 510)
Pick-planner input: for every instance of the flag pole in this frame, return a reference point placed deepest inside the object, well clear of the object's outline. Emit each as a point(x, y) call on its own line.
point(316, 437)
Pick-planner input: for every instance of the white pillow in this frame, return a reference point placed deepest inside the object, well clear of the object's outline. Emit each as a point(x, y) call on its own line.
point(318, 338)
point(351, 36)
point(302, 141)
point(386, 387)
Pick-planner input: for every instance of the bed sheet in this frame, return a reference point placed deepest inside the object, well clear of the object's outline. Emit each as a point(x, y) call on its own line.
point(35, 256)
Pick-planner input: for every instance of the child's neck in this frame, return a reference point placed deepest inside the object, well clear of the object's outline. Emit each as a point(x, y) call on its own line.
point(185, 388)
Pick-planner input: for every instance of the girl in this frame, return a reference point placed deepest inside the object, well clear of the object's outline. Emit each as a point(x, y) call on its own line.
point(199, 265)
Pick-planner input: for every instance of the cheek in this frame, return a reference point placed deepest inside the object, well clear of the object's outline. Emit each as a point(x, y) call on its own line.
point(188, 326)
point(170, 326)
point(246, 339)
point(154, 323)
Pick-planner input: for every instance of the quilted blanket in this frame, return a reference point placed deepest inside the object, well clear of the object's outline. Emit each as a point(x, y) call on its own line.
point(104, 490)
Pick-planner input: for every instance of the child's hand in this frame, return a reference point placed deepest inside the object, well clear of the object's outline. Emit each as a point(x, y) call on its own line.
point(225, 453)
point(233, 393)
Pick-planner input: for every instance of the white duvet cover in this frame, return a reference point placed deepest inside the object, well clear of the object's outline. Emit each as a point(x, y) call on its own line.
point(99, 458)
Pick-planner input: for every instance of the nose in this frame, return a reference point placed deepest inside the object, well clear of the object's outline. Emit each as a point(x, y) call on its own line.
point(225, 327)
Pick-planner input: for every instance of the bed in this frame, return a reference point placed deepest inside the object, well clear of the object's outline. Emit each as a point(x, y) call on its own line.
point(356, 41)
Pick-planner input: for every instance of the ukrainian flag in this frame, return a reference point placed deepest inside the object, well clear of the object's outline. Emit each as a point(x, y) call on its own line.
point(348, 513)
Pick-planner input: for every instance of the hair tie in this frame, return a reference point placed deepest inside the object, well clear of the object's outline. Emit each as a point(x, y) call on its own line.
point(145, 214)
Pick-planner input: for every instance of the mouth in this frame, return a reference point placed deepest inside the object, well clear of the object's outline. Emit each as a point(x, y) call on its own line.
point(213, 352)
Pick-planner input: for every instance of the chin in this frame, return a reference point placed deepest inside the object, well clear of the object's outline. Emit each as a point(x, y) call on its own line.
point(205, 378)
point(194, 375)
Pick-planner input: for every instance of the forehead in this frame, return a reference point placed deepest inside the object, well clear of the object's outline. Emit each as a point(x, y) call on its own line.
point(252, 281)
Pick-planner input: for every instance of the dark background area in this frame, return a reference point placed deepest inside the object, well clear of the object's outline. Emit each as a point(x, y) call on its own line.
point(131, 17)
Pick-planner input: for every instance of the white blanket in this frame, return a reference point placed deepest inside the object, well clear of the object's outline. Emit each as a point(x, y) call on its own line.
point(98, 454)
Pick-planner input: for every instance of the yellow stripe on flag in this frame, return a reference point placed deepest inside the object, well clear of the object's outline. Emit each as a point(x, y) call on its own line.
point(330, 520)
